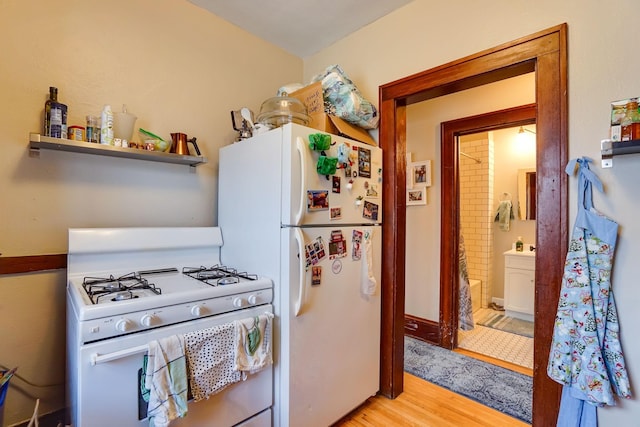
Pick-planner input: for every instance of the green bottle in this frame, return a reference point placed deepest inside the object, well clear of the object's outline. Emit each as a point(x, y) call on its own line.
point(519, 244)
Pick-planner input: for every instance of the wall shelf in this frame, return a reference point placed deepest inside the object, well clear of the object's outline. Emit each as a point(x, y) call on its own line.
point(609, 148)
point(37, 142)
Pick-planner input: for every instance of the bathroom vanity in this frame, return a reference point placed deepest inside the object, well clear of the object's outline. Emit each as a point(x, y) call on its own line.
point(519, 283)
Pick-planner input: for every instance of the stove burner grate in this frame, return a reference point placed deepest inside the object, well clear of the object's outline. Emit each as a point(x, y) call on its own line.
point(218, 275)
point(116, 289)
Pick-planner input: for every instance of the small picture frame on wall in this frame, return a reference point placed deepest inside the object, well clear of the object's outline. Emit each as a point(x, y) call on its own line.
point(420, 173)
point(417, 196)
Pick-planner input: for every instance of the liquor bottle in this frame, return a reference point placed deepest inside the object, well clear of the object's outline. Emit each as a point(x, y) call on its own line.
point(55, 116)
point(631, 122)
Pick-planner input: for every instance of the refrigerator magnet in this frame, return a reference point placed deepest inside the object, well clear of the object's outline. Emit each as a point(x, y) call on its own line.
point(315, 252)
point(364, 162)
point(353, 156)
point(370, 211)
point(336, 266)
point(317, 200)
point(337, 245)
point(372, 190)
point(356, 240)
point(337, 249)
point(336, 213)
point(316, 275)
point(336, 184)
point(347, 170)
point(343, 153)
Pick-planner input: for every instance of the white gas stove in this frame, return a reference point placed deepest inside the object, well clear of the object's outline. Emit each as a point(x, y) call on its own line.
point(141, 278)
point(128, 286)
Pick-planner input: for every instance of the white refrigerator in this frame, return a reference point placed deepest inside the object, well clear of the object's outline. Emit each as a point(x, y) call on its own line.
point(318, 236)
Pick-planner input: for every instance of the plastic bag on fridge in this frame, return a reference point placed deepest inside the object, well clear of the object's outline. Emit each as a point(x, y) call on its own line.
point(345, 100)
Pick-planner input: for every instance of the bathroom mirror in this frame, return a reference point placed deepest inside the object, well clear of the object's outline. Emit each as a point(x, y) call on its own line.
point(527, 194)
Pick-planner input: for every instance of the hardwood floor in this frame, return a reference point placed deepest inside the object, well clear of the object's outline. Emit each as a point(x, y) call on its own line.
point(423, 404)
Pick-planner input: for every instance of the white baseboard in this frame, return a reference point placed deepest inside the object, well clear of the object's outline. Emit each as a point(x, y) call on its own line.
point(498, 301)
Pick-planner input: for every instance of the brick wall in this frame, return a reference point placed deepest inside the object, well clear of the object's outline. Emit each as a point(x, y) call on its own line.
point(476, 201)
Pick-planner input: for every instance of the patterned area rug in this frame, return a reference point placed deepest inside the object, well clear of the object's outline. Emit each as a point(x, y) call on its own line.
point(506, 391)
point(498, 320)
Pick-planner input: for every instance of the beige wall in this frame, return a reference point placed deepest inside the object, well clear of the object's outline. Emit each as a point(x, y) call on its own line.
point(179, 69)
point(601, 35)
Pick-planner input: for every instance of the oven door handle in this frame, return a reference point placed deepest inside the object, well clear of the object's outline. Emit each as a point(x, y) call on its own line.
point(302, 276)
point(103, 358)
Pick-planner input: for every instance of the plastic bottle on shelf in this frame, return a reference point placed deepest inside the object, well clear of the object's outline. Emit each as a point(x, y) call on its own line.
point(106, 126)
point(92, 133)
point(630, 123)
point(55, 116)
point(519, 244)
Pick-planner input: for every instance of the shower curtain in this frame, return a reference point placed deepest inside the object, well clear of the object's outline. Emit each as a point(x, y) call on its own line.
point(465, 309)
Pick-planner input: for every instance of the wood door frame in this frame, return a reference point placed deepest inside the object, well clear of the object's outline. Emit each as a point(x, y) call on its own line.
point(545, 53)
point(450, 230)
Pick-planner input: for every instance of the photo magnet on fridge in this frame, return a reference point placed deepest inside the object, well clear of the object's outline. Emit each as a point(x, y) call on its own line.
point(364, 162)
point(336, 184)
point(356, 249)
point(370, 210)
point(372, 191)
point(314, 252)
point(336, 213)
point(317, 200)
point(347, 170)
point(338, 249)
point(316, 275)
point(337, 245)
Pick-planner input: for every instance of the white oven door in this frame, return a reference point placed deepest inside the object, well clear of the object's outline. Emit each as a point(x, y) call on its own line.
point(107, 391)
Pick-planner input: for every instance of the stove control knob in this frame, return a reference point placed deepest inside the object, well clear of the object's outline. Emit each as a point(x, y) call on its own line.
point(238, 302)
point(123, 325)
point(148, 319)
point(197, 310)
point(252, 299)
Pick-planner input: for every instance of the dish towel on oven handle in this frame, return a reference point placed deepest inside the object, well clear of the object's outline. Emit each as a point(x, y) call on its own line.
point(166, 380)
point(211, 360)
point(253, 343)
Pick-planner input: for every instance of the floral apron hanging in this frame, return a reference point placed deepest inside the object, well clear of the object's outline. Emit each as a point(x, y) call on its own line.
point(586, 355)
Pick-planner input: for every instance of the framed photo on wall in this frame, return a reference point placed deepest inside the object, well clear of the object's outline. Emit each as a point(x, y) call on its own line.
point(417, 196)
point(420, 173)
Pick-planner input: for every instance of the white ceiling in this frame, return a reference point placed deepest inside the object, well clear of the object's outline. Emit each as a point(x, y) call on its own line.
point(301, 27)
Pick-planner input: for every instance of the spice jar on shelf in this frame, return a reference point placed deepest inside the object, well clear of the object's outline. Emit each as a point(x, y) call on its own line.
point(630, 123)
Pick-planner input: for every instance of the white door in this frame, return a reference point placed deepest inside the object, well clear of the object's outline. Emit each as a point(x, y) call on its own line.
point(332, 337)
point(352, 195)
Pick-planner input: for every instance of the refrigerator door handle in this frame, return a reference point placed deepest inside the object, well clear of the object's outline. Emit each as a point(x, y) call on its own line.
point(301, 280)
point(303, 174)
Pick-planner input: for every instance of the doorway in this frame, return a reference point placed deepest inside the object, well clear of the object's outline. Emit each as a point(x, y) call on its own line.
point(449, 273)
point(488, 177)
point(544, 53)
